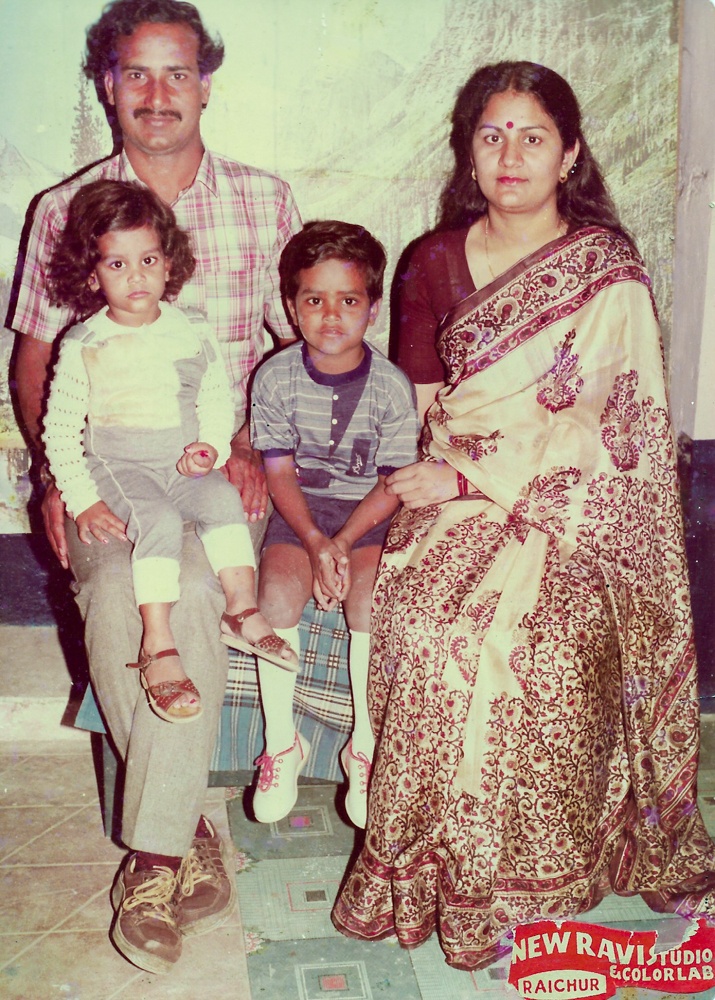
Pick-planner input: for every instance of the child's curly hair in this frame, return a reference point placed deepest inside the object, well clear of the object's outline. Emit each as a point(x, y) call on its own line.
point(103, 207)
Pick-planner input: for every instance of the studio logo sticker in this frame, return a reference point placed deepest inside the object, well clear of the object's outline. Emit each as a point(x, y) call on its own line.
point(574, 961)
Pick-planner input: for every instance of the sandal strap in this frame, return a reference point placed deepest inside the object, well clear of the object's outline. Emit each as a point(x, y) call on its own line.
point(165, 689)
point(235, 622)
point(272, 644)
point(166, 693)
point(146, 659)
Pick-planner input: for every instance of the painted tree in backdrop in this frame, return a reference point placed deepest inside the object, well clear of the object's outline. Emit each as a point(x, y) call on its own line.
point(87, 131)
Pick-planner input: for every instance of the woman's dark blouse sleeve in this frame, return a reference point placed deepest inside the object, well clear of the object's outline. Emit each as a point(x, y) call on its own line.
point(436, 278)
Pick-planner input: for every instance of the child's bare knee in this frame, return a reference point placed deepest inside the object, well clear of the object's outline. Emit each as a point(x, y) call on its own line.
point(279, 601)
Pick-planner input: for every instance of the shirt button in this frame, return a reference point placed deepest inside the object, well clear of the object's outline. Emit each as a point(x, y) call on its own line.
point(335, 396)
point(333, 421)
point(331, 442)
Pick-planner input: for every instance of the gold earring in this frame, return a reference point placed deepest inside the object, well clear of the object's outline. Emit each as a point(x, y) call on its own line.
point(474, 173)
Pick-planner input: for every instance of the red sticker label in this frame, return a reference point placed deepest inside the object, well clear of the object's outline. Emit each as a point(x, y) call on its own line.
point(573, 960)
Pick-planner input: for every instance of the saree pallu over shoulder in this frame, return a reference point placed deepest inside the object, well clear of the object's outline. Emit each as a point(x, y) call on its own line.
point(552, 283)
point(532, 674)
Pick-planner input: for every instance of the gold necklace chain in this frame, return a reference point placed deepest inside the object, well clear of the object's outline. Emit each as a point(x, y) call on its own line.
point(486, 246)
point(486, 242)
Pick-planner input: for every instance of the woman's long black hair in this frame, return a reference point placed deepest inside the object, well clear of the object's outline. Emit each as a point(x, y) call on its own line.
point(582, 200)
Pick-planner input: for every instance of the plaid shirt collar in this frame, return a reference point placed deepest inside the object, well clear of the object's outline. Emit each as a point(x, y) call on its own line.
point(205, 175)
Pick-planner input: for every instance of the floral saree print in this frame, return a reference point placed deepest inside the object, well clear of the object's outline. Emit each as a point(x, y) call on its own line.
point(533, 677)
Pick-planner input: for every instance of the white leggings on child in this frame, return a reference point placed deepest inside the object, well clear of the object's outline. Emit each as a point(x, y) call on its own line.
point(278, 687)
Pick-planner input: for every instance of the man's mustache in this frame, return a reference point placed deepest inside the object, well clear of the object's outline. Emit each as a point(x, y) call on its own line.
point(151, 113)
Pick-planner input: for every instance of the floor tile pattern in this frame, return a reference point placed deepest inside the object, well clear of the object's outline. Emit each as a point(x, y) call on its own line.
point(56, 872)
point(288, 875)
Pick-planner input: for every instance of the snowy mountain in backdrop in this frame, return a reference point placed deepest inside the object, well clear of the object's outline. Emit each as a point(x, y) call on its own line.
point(21, 178)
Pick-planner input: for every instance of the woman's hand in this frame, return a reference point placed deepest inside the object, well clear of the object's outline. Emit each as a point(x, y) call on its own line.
point(422, 484)
point(198, 459)
point(97, 522)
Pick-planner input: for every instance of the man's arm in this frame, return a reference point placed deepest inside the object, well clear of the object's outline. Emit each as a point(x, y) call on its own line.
point(37, 324)
point(31, 364)
point(31, 370)
point(244, 468)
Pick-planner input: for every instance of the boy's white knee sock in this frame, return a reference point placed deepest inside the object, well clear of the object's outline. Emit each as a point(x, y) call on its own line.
point(277, 687)
point(358, 659)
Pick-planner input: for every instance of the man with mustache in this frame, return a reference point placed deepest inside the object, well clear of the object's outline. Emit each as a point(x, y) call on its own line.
point(152, 61)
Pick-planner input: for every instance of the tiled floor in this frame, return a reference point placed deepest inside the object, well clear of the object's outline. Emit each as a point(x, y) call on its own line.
point(287, 876)
point(56, 870)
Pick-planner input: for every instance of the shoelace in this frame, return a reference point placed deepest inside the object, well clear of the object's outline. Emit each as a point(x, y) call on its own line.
point(266, 771)
point(365, 764)
point(267, 766)
point(156, 892)
point(191, 873)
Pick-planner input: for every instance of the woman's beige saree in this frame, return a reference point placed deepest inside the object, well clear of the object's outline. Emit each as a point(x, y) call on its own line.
point(533, 680)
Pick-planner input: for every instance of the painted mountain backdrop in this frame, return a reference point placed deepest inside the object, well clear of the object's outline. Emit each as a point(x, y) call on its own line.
point(351, 102)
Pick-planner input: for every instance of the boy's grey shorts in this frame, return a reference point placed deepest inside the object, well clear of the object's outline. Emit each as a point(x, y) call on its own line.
point(329, 516)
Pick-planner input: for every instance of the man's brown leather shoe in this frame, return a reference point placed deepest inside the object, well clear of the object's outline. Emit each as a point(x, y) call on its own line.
point(145, 928)
point(206, 894)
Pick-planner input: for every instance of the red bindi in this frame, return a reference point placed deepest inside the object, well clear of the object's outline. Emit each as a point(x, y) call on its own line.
point(510, 124)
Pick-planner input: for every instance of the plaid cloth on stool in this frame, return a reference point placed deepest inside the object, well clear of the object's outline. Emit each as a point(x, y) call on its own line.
point(322, 702)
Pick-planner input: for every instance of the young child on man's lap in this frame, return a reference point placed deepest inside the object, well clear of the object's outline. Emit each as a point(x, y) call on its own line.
point(333, 418)
point(140, 418)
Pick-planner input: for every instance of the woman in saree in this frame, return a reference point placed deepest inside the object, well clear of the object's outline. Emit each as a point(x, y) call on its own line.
point(532, 682)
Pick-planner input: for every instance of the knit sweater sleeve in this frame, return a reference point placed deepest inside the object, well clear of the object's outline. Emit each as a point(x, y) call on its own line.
point(64, 428)
point(214, 401)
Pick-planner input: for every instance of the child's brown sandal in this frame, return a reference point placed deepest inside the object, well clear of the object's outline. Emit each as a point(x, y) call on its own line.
point(163, 696)
point(269, 647)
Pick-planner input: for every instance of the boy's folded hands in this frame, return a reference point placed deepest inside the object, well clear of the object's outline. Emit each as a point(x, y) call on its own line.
point(330, 563)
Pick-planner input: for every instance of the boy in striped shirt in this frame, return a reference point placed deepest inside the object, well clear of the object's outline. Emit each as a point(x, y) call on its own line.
point(332, 417)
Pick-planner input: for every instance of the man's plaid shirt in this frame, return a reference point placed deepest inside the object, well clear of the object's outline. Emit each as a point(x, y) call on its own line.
point(239, 218)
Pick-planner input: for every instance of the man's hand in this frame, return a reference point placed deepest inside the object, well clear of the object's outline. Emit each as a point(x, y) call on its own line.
point(244, 470)
point(97, 522)
point(198, 459)
point(53, 517)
